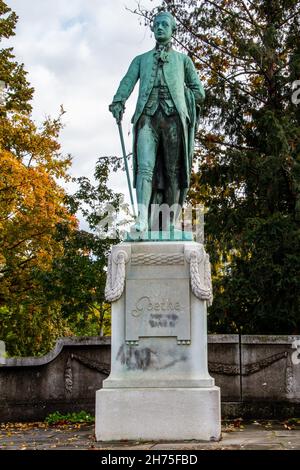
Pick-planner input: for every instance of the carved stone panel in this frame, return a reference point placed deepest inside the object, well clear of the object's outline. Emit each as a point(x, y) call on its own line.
point(158, 308)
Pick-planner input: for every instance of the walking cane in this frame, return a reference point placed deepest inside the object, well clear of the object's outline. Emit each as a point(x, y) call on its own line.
point(126, 165)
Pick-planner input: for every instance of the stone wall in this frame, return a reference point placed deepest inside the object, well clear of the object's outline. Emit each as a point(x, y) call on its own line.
point(258, 375)
point(64, 380)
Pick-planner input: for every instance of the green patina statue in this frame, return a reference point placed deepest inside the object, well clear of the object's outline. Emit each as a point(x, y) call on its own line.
point(164, 122)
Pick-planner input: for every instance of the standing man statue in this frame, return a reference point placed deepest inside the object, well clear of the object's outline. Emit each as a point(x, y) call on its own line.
point(164, 122)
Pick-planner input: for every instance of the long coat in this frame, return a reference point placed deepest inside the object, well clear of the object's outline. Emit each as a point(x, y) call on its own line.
point(186, 91)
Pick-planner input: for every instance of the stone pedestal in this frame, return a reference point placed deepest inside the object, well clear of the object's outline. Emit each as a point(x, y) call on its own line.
point(159, 386)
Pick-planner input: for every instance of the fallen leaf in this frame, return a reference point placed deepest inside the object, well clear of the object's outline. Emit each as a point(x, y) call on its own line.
point(237, 422)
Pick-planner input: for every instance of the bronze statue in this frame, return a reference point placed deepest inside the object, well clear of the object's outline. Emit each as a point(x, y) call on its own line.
point(164, 121)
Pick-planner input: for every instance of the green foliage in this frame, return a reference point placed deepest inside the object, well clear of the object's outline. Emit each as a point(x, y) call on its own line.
point(18, 93)
point(95, 321)
point(57, 418)
point(247, 166)
point(31, 330)
point(77, 278)
point(293, 421)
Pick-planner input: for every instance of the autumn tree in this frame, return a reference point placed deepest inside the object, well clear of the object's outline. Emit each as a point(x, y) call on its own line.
point(31, 207)
point(247, 167)
point(52, 273)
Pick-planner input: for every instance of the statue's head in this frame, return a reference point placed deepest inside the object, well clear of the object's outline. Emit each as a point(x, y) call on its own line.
point(163, 26)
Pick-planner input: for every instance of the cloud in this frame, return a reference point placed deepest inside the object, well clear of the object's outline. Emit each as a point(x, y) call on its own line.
point(76, 52)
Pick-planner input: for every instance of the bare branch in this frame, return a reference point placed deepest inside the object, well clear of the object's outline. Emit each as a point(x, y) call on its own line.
point(253, 22)
point(220, 74)
point(228, 11)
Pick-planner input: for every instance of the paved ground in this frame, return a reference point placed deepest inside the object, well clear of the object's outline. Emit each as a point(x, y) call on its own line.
point(253, 436)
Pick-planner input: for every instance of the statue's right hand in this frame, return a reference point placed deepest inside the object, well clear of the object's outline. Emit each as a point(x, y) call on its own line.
point(117, 110)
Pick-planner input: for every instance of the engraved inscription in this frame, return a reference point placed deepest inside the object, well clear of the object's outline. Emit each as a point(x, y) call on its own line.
point(158, 320)
point(155, 308)
point(145, 304)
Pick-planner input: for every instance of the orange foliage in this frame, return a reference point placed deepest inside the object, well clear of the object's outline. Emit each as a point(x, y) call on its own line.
point(31, 202)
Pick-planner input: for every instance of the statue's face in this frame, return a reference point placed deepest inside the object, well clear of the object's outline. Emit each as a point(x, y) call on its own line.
point(162, 28)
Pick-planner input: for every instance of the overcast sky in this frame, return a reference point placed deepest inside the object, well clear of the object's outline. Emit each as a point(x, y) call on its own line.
point(76, 52)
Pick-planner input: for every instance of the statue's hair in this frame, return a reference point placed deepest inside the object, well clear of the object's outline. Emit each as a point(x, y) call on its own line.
point(169, 15)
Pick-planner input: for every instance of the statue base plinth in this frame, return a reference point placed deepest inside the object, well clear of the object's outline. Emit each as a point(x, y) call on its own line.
point(159, 386)
point(157, 414)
